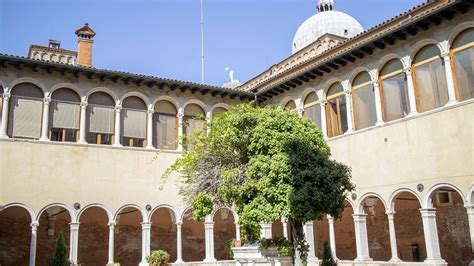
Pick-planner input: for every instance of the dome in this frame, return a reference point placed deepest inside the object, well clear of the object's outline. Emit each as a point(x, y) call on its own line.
point(326, 21)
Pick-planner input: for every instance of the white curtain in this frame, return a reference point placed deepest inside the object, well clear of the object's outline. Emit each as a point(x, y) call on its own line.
point(65, 115)
point(25, 117)
point(101, 119)
point(134, 123)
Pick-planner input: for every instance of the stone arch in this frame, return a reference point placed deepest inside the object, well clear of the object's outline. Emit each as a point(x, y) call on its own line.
point(23, 206)
point(140, 95)
point(387, 58)
point(360, 207)
point(306, 92)
point(64, 206)
point(102, 89)
point(286, 100)
point(222, 105)
point(33, 81)
point(134, 206)
point(419, 45)
point(328, 84)
point(236, 216)
point(198, 102)
point(183, 213)
point(224, 220)
point(391, 200)
point(359, 70)
point(166, 206)
point(427, 201)
point(97, 205)
point(165, 98)
point(70, 86)
point(457, 30)
point(470, 195)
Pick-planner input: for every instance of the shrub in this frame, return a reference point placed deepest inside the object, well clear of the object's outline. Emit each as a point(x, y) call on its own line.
point(60, 255)
point(284, 247)
point(328, 260)
point(158, 258)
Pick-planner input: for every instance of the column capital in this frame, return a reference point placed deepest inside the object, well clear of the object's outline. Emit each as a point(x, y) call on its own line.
point(7, 95)
point(47, 100)
point(74, 226)
point(375, 83)
point(428, 212)
point(348, 93)
point(179, 223)
point(150, 111)
point(309, 223)
point(84, 104)
point(112, 224)
point(446, 55)
point(407, 70)
point(118, 108)
point(146, 225)
point(469, 208)
point(359, 217)
point(34, 225)
point(323, 102)
point(180, 115)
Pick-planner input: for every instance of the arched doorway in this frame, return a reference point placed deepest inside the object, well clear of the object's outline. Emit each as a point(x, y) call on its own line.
point(377, 228)
point(194, 248)
point(224, 231)
point(163, 231)
point(93, 237)
point(128, 237)
point(15, 236)
point(345, 235)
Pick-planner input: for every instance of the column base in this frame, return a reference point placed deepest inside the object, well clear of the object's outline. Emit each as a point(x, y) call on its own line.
point(2, 136)
point(379, 123)
point(435, 262)
point(110, 264)
point(363, 259)
point(314, 261)
point(450, 103)
point(150, 147)
point(180, 261)
point(143, 263)
point(413, 113)
point(395, 260)
point(210, 260)
point(82, 141)
point(44, 139)
point(118, 145)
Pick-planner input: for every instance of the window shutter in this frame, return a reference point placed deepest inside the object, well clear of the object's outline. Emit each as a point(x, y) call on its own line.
point(134, 123)
point(101, 119)
point(65, 115)
point(25, 114)
point(166, 132)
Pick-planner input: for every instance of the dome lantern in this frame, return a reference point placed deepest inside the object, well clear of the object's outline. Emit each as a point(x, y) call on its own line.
point(325, 5)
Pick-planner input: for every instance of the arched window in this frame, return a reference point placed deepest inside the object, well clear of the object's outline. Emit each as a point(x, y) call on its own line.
point(312, 108)
point(165, 126)
point(26, 108)
point(64, 115)
point(290, 105)
point(462, 54)
point(430, 79)
point(336, 113)
point(363, 99)
point(133, 122)
point(394, 94)
point(194, 120)
point(101, 114)
point(218, 110)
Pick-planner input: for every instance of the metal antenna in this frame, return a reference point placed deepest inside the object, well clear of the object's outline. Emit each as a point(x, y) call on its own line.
point(202, 42)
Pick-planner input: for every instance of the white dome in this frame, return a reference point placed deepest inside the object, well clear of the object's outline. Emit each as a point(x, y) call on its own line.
point(333, 22)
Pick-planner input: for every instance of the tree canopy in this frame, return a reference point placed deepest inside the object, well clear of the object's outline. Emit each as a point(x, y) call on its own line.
point(267, 163)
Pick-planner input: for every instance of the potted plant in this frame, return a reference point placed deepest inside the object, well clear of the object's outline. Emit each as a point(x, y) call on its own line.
point(158, 258)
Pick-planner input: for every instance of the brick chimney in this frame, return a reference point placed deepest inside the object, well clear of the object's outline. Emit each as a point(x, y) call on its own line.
point(84, 45)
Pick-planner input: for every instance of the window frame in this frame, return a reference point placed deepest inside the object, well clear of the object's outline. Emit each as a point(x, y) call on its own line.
point(452, 53)
point(336, 96)
point(353, 90)
point(381, 89)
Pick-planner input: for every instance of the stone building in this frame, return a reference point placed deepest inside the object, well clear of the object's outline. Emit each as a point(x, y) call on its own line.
point(395, 102)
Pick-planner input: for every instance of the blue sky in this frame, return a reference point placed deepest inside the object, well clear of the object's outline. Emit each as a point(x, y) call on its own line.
point(162, 37)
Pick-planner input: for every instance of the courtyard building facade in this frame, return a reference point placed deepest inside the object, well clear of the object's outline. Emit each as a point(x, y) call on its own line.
point(83, 149)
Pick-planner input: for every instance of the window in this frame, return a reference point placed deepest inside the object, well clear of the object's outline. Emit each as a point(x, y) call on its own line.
point(64, 115)
point(290, 105)
point(430, 79)
point(101, 114)
point(336, 113)
point(462, 55)
point(133, 122)
point(363, 99)
point(194, 121)
point(394, 93)
point(165, 126)
point(444, 198)
point(312, 108)
point(26, 111)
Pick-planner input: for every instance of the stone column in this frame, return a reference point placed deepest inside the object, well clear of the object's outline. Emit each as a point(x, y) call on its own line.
point(300, 111)
point(118, 119)
point(411, 91)
point(149, 129)
point(393, 237)
point(350, 124)
point(433, 253)
point(470, 218)
point(209, 238)
point(378, 103)
point(111, 243)
point(34, 227)
point(208, 122)
point(146, 227)
point(361, 237)
point(82, 123)
point(5, 110)
point(237, 231)
point(332, 236)
point(324, 128)
point(179, 243)
point(180, 129)
point(449, 79)
point(284, 221)
point(266, 230)
point(45, 121)
point(309, 237)
point(73, 246)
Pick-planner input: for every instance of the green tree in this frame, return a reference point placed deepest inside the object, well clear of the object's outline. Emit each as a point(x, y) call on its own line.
point(267, 163)
point(60, 255)
point(327, 259)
